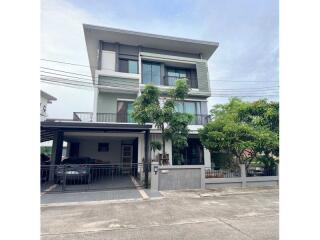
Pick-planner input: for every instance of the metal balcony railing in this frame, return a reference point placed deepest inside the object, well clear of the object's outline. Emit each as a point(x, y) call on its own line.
point(198, 119)
point(170, 81)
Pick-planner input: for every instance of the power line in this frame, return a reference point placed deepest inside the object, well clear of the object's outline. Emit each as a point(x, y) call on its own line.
point(90, 84)
point(57, 70)
point(81, 85)
point(217, 90)
point(112, 69)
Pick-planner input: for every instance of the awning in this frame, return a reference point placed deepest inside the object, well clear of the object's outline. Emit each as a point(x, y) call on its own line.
point(50, 129)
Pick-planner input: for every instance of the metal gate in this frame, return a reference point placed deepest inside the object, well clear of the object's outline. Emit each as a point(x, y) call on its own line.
point(89, 177)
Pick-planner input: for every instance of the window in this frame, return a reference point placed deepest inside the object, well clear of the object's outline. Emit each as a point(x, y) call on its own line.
point(191, 107)
point(174, 74)
point(133, 66)
point(151, 73)
point(192, 155)
point(124, 110)
point(103, 147)
point(128, 66)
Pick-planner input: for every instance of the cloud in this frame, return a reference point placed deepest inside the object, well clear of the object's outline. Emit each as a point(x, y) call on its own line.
point(62, 39)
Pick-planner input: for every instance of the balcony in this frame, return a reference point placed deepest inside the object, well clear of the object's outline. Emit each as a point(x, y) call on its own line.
point(170, 81)
point(199, 119)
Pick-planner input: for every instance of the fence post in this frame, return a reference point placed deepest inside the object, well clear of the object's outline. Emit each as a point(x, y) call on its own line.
point(155, 176)
point(64, 178)
point(243, 175)
point(203, 177)
point(277, 172)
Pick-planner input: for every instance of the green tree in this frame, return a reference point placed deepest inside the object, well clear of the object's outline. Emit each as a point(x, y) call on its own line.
point(243, 129)
point(173, 125)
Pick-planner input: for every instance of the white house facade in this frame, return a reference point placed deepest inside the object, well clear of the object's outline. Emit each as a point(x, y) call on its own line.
point(121, 63)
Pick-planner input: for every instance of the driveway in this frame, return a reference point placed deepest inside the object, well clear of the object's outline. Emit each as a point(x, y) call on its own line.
point(202, 214)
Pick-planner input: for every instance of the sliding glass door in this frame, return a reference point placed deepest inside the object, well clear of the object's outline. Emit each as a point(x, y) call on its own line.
point(124, 110)
point(191, 107)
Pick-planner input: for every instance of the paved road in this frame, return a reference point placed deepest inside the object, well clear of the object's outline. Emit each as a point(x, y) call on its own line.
point(232, 214)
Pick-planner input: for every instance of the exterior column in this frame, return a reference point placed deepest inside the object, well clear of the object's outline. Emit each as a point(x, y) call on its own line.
point(56, 153)
point(207, 158)
point(146, 157)
point(154, 176)
point(243, 175)
point(95, 103)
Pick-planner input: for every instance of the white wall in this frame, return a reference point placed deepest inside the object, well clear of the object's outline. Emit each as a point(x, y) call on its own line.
point(108, 61)
point(168, 145)
point(43, 108)
point(207, 158)
point(89, 148)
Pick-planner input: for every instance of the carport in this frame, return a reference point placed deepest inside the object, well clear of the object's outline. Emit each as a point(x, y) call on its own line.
point(106, 175)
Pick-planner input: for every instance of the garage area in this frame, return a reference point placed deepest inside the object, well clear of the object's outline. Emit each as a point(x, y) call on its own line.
point(98, 157)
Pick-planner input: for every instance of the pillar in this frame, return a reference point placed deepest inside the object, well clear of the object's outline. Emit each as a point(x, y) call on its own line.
point(243, 175)
point(56, 153)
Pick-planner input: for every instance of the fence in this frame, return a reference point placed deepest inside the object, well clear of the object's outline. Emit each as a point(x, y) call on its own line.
point(196, 176)
point(198, 119)
point(222, 173)
point(83, 177)
point(241, 177)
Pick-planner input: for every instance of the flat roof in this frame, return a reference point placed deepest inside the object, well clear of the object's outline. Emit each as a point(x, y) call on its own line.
point(49, 129)
point(93, 34)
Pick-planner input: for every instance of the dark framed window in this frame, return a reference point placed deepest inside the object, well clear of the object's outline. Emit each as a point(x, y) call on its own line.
point(151, 73)
point(103, 147)
point(191, 155)
point(192, 107)
point(124, 110)
point(174, 74)
point(128, 66)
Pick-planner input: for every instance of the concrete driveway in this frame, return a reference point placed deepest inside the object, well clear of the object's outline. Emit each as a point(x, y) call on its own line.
point(203, 214)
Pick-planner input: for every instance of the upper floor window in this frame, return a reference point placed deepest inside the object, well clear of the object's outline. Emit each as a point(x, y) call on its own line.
point(174, 74)
point(151, 73)
point(124, 111)
point(192, 107)
point(128, 66)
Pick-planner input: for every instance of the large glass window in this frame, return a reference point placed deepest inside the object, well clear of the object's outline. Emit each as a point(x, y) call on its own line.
point(124, 110)
point(191, 107)
point(174, 74)
point(191, 155)
point(151, 73)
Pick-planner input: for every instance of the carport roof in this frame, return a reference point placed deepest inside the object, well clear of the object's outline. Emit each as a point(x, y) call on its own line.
point(49, 129)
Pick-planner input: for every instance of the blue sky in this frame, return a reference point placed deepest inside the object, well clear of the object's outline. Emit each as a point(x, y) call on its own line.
point(247, 31)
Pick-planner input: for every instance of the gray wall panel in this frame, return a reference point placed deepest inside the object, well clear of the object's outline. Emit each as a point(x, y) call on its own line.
point(202, 74)
point(174, 179)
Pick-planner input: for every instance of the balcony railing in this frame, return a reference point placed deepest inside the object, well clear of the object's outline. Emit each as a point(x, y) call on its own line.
point(170, 81)
point(198, 119)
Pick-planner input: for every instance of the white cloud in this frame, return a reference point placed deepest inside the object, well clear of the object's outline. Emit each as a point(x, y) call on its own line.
point(62, 39)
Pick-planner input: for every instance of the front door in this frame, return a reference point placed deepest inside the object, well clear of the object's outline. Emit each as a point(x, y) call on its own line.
point(126, 158)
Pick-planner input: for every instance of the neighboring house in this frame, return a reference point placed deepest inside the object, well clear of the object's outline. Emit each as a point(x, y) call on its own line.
point(121, 63)
point(45, 99)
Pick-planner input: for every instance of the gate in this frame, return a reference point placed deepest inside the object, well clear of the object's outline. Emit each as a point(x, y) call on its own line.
point(92, 177)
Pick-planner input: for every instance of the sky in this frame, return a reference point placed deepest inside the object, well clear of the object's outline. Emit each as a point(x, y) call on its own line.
point(247, 32)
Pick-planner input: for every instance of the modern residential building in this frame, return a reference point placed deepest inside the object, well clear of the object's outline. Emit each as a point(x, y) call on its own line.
point(45, 99)
point(121, 63)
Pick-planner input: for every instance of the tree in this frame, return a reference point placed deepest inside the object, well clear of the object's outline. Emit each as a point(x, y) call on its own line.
point(173, 125)
point(243, 129)
point(154, 146)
